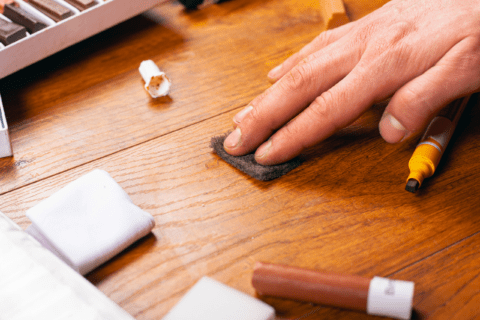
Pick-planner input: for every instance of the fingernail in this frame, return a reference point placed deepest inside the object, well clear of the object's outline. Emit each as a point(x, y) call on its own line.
point(239, 116)
point(395, 123)
point(272, 75)
point(262, 151)
point(233, 139)
point(391, 129)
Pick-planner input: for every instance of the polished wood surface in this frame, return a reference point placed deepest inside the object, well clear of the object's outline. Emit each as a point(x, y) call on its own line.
point(343, 210)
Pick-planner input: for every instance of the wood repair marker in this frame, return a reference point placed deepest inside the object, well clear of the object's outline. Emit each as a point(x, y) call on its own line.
point(429, 151)
point(377, 296)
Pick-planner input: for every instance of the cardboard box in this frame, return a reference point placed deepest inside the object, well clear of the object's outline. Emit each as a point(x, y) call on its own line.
point(5, 146)
point(67, 32)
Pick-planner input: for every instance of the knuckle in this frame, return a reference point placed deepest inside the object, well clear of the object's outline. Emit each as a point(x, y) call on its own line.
point(397, 33)
point(361, 36)
point(323, 108)
point(258, 118)
point(389, 41)
point(291, 129)
point(320, 107)
point(414, 106)
point(297, 77)
point(321, 111)
point(392, 40)
point(392, 53)
point(469, 61)
point(465, 64)
point(323, 38)
point(409, 98)
point(296, 132)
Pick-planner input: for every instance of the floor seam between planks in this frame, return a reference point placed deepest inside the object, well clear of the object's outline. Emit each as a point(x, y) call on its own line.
point(124, 149)
point(433, 254)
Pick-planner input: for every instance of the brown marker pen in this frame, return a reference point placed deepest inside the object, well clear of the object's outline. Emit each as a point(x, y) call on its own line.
point(377, 296)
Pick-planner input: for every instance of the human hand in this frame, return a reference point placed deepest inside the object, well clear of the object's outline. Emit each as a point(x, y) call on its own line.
point(422, 53)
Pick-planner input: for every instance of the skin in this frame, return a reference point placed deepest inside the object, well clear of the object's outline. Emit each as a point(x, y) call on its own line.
point(4, 2)
point(422, 53)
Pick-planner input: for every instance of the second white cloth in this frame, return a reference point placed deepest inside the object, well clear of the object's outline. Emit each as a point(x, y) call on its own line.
point(88, 221)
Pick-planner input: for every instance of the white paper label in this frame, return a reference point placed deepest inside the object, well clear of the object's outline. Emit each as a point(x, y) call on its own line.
point(390, 298)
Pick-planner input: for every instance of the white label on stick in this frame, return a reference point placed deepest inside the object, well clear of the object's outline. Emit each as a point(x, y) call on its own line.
point(390, 298)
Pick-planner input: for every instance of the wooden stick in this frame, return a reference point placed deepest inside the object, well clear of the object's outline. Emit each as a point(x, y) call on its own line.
point(333, 13)
point(339, 290)
point(378, 296)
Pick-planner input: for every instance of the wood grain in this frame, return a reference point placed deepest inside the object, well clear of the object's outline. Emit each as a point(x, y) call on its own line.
point(344, 210)
point(57, 118)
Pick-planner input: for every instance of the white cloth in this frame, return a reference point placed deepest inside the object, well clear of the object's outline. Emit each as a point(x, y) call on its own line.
point(211, 300)
point(88, 221)
point(34, 284)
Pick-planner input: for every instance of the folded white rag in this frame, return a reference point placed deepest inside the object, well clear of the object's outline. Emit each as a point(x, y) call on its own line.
point(209, 299)
point(88, 221)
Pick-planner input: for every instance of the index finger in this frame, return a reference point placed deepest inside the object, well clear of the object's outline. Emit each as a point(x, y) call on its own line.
point(379, 73)
point(332, 110)
point(290, 95)
point(324, 39)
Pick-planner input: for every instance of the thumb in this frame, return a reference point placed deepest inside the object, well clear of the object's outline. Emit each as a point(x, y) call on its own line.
point(418, 101)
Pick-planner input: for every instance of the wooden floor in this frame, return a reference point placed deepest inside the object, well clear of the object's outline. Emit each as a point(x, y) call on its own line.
point(343, 210)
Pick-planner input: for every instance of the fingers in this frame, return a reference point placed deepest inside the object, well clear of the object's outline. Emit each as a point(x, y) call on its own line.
point(289, 96)
point(332, 110)
point(417, 102)
point(342, 80)
point(369, 77)
point(345, 74)
point(375, 77)
point(321, 41)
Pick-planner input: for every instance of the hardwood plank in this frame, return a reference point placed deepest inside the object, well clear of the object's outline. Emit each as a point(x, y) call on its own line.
point(88, 104)
point(446, 287)
point(343, 210)
point(448, 283)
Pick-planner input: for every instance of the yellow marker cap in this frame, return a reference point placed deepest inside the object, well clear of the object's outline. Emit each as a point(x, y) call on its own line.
point(423, 162)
